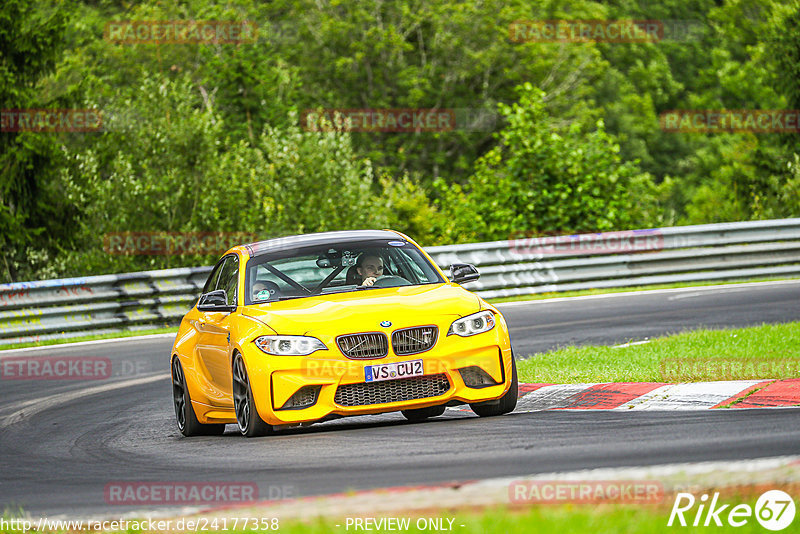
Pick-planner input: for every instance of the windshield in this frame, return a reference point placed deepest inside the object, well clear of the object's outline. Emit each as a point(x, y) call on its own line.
point(336, 268)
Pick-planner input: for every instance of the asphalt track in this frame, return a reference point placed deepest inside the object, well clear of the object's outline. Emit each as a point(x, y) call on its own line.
point(62, 442)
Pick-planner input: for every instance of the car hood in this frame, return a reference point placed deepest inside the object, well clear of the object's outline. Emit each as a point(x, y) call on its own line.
point(362, 311)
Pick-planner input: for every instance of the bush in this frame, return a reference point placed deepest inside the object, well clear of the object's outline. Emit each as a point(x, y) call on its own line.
point(543, 178)
point(167, 164)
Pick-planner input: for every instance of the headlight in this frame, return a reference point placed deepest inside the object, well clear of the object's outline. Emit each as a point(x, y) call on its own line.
point(472, 324)
point(289, 345)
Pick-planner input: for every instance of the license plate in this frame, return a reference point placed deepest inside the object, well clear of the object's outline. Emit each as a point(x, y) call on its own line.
point(393, 371)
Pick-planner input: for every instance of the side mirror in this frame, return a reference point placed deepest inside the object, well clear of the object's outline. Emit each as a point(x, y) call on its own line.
point(214, 301)
point(461, 273)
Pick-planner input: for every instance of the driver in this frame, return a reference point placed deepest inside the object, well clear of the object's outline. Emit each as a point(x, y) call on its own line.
point(369, 267)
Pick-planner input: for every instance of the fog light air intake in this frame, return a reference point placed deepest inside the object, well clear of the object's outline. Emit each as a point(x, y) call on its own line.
point(303, 398)
point(475, 377)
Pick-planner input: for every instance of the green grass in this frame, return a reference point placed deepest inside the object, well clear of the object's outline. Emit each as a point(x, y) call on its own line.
point(604, 291)
point(112, 335)
point(767, 351)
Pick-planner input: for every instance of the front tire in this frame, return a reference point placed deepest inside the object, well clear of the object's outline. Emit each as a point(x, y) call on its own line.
point(184, 411)
point(507, 402)
point(420, 414)
point(250, 423)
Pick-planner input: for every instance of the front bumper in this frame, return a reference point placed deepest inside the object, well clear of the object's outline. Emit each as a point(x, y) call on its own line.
point(275, 379)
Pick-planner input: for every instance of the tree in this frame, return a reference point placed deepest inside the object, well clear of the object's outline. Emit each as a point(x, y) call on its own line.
point(168, 163)
point(442, 55)
point(34, 224)
point(742, 176)
point(546, 179)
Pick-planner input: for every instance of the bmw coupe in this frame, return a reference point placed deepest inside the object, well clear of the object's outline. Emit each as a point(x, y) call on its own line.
point(303, 329)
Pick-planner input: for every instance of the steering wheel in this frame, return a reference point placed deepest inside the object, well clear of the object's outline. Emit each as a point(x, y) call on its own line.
point(390, 281)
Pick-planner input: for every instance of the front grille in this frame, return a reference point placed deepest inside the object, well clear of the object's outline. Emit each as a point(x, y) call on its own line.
point(414, 340)
point(417, 387)
point(366, 346)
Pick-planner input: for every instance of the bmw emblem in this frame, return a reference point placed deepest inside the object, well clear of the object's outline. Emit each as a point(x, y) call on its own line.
point(386, 324)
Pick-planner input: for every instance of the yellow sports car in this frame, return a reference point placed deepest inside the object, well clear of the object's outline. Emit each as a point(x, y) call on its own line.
point(309, 328)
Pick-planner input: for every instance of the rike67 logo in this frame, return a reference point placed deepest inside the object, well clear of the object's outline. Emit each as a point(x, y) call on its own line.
point(774, 510)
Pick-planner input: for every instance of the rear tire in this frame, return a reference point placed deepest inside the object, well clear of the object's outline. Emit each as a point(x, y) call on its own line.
point(507, 402)
point(184, 411)
point(420, 414)
point(250, 423)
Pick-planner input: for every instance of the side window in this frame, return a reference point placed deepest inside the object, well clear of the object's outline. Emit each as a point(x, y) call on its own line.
point(413, 267)
point(229, 278)
point(404, 267)
point(390, 265)
point(211, 283)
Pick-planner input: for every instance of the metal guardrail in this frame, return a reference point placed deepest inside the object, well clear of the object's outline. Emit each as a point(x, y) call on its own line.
point(70, 307)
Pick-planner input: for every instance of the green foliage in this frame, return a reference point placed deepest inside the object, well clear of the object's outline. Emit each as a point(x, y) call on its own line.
point(741, 176)
point(785, 44)
point(31, 40)
point(544, 179)
point(408, 210)
point(167, 163)
point(442, 54)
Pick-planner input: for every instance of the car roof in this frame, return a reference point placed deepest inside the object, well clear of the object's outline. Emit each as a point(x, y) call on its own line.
point(295, 241)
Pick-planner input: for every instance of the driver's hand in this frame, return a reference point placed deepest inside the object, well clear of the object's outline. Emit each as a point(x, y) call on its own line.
point(368, 281)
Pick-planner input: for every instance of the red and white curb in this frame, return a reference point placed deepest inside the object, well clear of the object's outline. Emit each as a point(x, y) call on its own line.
point(659, 395)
